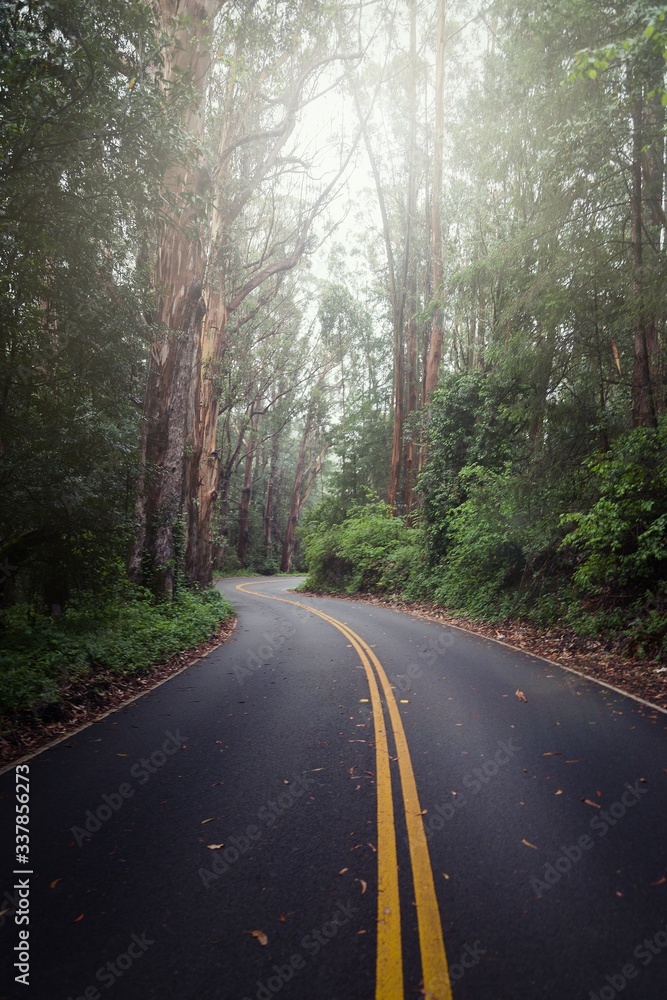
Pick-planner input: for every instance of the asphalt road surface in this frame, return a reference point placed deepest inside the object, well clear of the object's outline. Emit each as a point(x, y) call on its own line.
point(344, 803)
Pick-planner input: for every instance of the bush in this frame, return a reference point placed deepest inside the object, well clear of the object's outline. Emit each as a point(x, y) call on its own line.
point(124, 634)
point(622, 539)
point(369, 551)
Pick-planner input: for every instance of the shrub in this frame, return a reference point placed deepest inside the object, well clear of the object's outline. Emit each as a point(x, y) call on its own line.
point(369, 551)
point(125, 634)
point(622, 539)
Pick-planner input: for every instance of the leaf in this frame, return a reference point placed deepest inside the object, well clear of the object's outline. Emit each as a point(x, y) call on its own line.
point(53, 884)
point(214, 847)
point(131, 83)
point(661, 881)
point(649, 31)
point(343, 870)
point(616, 357)
point(364, 885)
point(520, 695)
point(260, 935)
point(209, 820)
point(559, 792)
point(588, 802)
point(80, 917)
point(528, 843)
point(553, 753)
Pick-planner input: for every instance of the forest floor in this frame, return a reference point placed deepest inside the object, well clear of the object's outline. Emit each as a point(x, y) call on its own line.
point(86, 701)
point(599, 658)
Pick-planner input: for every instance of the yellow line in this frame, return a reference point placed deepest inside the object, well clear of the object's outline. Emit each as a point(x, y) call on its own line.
point(389, 962)
point(437, 984)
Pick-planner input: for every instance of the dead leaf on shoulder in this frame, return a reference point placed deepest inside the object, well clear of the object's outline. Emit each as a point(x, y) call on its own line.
point(520, 695)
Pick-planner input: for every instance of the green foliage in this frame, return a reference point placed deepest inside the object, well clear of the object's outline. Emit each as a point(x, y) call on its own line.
point(476, 419)
point(622, 538)
point(368, 551)
point(123, 634)
point(86, 132)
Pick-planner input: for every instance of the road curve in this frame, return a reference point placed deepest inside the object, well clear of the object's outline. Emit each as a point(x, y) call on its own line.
point(344, 802)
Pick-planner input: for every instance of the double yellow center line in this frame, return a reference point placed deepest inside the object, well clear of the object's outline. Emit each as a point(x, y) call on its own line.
point(389, 966)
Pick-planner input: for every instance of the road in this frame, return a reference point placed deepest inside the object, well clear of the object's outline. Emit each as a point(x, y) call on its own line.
point(344, 802)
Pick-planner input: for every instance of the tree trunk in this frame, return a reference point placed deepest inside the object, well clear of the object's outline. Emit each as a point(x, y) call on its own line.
point(269, 497)
point(289, 542)
point(170, 394)
point(412, 384)
point(437, 328)
point(244, 511)
point(643, 405)
point(410, 276)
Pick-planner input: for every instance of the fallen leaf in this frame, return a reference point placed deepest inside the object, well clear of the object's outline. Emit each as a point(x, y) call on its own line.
point(209, 820)
point(445, 875)
point(614, 349)
point(121, 755)
point(599, 794)
point(214, 847)
point(559, 792)
point(619, 893)
point(282, 918)
point(364, 885)
point(80, 917)
point(661, 881)
point(573, 761)
point(260, 935)
point(343, 870)
point(372, 847)
point(528, 843)
point(553, 753)
point(55, 882)
point(588, 802)
point(520, 695)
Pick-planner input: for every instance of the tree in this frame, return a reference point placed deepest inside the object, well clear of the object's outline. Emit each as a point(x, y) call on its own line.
point(252, 117)
point(85, 139)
